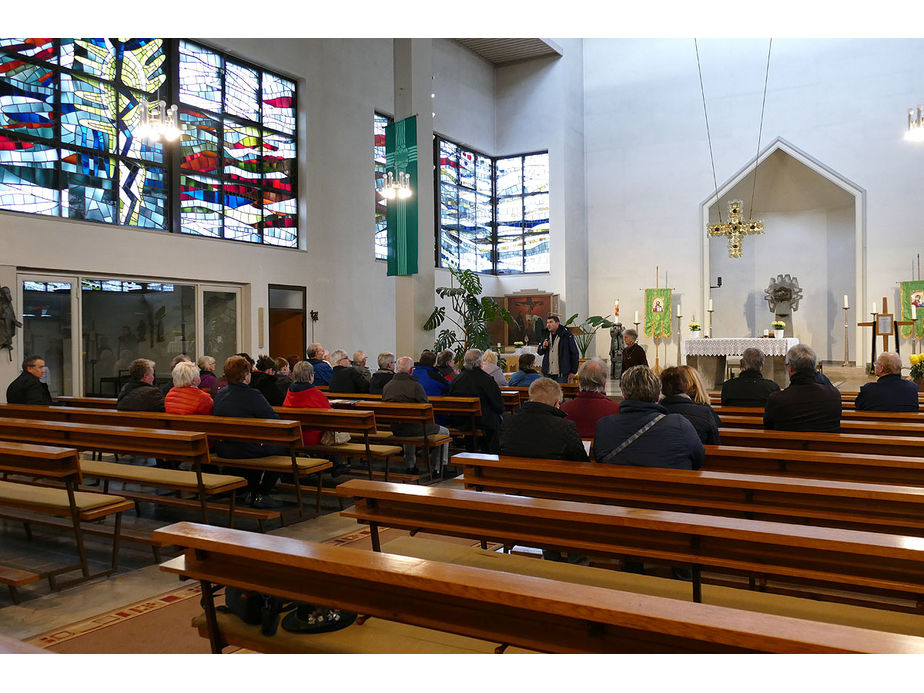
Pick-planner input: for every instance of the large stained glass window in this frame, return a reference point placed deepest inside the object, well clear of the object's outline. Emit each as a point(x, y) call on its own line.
point(68, 110)
point(381, 237)
point(493, 212)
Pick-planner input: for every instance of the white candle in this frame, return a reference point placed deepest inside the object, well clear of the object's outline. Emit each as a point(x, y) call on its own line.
point(710, 304)
point(874, 308)
point(846, 305)
point(766, 333)
point(636, 317)
point(678, 311)
point(914, 312)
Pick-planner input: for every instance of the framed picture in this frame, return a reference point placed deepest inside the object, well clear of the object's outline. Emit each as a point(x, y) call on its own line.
point(529, 312)
point(884, 325)
point(497, 329)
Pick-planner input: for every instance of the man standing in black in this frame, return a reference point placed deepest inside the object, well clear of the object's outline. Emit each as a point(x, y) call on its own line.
point(28, 388)
point(559, 351)
point(806, 405)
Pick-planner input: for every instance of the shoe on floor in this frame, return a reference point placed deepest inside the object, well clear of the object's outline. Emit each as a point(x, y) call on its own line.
point(265, 502)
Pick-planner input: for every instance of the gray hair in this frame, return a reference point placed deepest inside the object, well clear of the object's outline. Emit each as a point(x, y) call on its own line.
point(640, 383)
point(631, 331)
point(545, 390)
point(405, 364)
point(385, 358)
point(472, 359)
point(802, 358)
point(489, 357)
point(337, 357)
point(314, 351)
point(889, 362)
point(752, 360)
point(184, 374)
point(358, 356)
point(179, 358)
point(206, 363)
point(302, 372)
point(592, 376)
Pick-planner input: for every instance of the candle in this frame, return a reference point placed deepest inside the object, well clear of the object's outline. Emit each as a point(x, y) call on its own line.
point(914, 312)
point(766, 333)
point(636, 317)
point(710, 304)
point(678, 310)
point(874, 308)
point(846, 305)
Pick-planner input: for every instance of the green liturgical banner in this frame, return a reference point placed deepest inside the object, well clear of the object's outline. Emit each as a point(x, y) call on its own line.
point(913, 295)
point(657, 312)
point(401, 215)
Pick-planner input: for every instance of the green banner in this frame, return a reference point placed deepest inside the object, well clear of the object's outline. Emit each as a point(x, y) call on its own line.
point(401, 215)
point(913, 294)
point(657, 312)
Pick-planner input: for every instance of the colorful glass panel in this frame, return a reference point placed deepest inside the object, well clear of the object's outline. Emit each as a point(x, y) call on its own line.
point(536, 213)
point(381, 204)
point(88, 112)
point(87, 188)
point(200, 77)
point(536, 252)
point(466, 168)
point(449, 207)
point(242, 152)
point(278, 103)
point(242, 91)
point(38, 48)
point(242, 212)
point(510, 255)
point(27, 98)
point(536, 173)
point(90, 56)
point(27, 177)
point(129, 145)
point(509, 176)
point(449, 163)
point(142, 64)
point(142, 195)
point(199, 144)
point(484, 174)
point(467, 211)
point(201, 206)
point(278, 162)
point(279, 220)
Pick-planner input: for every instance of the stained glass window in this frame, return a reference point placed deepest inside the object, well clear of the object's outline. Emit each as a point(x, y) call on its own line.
point(68, 111)
point(493, 212)
point(381, 204)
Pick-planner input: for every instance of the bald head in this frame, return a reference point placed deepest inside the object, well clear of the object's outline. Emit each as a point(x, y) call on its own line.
point(405, 364)
point(592, 376)
point(888, 363)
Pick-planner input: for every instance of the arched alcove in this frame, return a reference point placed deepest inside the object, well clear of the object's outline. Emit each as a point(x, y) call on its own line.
point(813, 220)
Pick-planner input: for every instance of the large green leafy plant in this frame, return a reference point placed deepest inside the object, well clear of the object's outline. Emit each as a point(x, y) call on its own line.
point(471, 313)
point(584, 334)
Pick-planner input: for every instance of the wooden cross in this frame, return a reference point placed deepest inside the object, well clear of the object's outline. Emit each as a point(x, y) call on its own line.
point(736, 228)
point(884, 325)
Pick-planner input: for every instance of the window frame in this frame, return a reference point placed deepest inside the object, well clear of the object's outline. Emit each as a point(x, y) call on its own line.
point(389, 121)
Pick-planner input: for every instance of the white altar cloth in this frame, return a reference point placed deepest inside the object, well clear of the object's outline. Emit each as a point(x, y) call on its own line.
point(735, 346)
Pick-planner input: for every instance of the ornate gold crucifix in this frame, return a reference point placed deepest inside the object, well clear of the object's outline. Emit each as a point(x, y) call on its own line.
point(736, 228)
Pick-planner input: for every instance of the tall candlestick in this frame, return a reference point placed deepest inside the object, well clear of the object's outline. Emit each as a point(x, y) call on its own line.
point(846, 305)
point(678, 311)
point(710, 304)
point(846, 333)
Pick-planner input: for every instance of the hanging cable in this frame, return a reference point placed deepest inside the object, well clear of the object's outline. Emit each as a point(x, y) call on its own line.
point(760, 130)
point(708, 135)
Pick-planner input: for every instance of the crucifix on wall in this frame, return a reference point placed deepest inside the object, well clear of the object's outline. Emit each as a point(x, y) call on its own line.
point(736, 228)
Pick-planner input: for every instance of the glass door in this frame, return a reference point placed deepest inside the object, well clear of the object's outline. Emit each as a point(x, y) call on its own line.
point(47, 310)
point(219, 309)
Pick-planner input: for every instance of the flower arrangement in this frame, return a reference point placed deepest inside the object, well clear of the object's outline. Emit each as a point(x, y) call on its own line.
point(518, 344)
point(695, 326)
point(917, 366)
point(778, 325)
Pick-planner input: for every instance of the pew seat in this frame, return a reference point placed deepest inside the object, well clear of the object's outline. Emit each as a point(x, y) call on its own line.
point(14, 577)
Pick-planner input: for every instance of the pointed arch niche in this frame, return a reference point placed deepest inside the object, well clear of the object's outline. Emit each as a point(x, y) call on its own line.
point(814, 222)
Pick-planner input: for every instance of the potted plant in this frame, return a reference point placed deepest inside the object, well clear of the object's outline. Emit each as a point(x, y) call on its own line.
point(695, 329)
point(917, 370)
point(778, 326)
point(584, 333)
point(519, 347)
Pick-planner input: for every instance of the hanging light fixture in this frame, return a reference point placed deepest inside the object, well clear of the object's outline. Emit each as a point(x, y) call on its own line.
point(158, 123)
point(915, 131)
point(397, 184)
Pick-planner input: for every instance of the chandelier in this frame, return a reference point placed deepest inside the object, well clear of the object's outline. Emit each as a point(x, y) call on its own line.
point(915, 132)
point(158, 122)
point(397, 184)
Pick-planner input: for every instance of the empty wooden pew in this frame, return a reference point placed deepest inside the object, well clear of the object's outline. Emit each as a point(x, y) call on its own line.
point(897, 445)
point(848, 425)
point(513, 610)
point(846, 415)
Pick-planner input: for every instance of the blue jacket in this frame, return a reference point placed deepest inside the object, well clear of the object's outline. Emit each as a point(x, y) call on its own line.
point(524, 378)
point(568, 357)
point(671, 443)
point(433, 382)
point(248, 402)
point(322, 371)
point(889, 393)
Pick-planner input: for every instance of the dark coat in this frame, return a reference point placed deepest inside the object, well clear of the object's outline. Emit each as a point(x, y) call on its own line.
point(433, 382)
point(703, 418)
point(476, 383)
point(404, 387)
point(137, 395)
point(322, 371)
point(347, 379)
point(269, 386)
point(524, 378)
point(804, 406)
point(749, 389)
point(379, 380)
point(633, 356)
point(670, 443)
point(889, 393)
point(540, 431)
point(587, 409)
point(568, 356)
point(248, 402)
point(27, 389)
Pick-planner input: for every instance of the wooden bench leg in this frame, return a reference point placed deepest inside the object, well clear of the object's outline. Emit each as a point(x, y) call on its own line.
point(13, 594)
point(374, 529)
point(211, 620)
point(116, 541)
point(317, 502)
point(697, 583)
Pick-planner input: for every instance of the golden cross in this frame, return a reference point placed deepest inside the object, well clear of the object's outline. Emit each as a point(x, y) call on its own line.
point(736, 228)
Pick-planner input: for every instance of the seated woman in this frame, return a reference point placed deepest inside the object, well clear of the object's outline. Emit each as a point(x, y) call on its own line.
point(445, 364)
point(489, 366)
point(681, 390)
point(209, 381)
point(527, 374)
point(303, 394)
point(185, 397)
point(427, 374)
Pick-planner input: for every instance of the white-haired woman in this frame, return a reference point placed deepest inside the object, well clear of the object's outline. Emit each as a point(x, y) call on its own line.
point(489, 366)
point(185, 397)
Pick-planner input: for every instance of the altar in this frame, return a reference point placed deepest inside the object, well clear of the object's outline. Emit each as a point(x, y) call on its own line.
point(708, 356)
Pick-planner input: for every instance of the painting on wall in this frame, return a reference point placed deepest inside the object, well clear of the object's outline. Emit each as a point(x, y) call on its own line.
point(529, 312)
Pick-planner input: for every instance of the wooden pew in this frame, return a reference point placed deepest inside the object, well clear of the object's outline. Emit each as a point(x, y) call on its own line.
point(535, 613)
point(848, 425)
point(27, 503)
point(895, 445)
point(512, 399)
point(14, 577)
point(860, 562)
point(286, 433)
point(568, 390)
point(91, 402)
point(818, 502)
point(846, 414)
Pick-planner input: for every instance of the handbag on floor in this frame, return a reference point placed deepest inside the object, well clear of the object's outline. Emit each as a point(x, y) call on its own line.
point(334, 438)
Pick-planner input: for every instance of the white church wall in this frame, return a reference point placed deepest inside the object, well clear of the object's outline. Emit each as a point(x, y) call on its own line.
point(648, 168)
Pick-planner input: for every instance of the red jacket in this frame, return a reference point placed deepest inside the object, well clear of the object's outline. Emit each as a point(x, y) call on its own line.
point(188, 400)
point(309, 398)
point(587, 408)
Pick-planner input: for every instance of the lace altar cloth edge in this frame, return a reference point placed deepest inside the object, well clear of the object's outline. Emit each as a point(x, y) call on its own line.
point(735, 346)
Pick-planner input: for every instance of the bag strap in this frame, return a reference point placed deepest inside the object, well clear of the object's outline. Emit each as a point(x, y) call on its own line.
point(631, 439)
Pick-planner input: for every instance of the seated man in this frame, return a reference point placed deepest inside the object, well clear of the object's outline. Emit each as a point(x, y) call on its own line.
point(384, 374)
point(805, 405)
point(540, 428)
point(27, 387)
point(432, 381)
point(591, 403)
point(345, 377)
point(139, 393)
point(677, 389)
point(359, 363)
point(239, 399)
point(405, 388)
point(322, 369)
point(185, 397)
point(890, 392)
point(474, 382)
point(643, 433)
point(750, 388)
point(263, 378)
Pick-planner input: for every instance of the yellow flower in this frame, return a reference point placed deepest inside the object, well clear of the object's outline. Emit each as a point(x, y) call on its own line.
point(915, 359)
